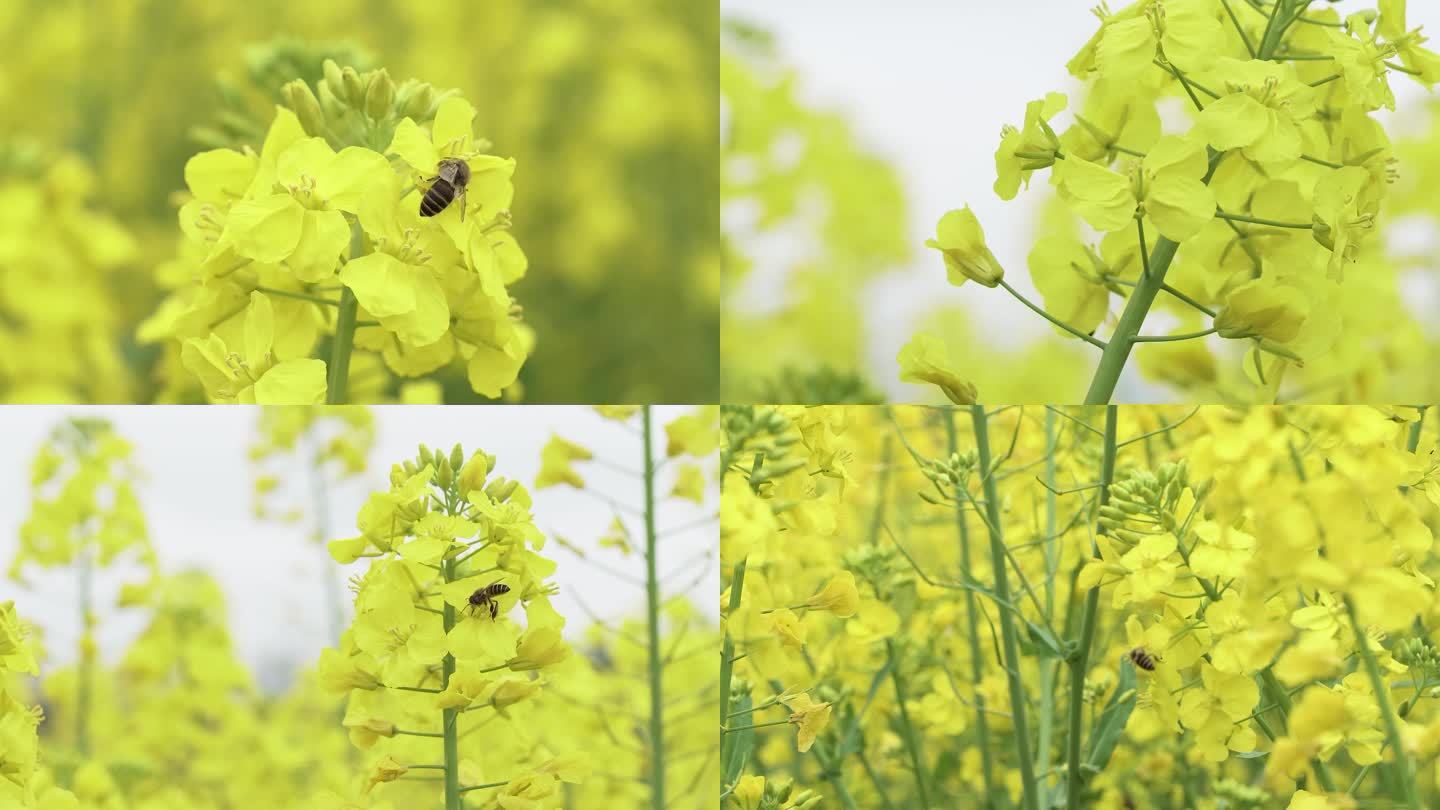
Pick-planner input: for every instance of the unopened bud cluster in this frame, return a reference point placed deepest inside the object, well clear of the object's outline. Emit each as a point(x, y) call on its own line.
point(350, 108)
point(950, 474)
point(1418, 653)
point(1241, 796)
point(1145, 501)
point(881, 566)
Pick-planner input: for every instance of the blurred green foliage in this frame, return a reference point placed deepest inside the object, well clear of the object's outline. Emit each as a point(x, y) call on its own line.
point(610, 109)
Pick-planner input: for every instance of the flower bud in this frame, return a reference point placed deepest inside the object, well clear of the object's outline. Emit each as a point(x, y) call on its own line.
point(445, 475)
point(457, 457)
point(301, 99)
point(331, 104)
point(380, 95)
point(334, 79)
point(418, 102)
point(472, 475)
point(501, 489)
point(354, 88)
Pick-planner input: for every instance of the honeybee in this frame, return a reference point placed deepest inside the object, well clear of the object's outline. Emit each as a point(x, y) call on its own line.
point(488, 597)
point(450, 179)
point(1143, 660)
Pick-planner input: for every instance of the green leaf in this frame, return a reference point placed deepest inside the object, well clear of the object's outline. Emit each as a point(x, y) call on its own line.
point(735, 748)
point(1111, 724)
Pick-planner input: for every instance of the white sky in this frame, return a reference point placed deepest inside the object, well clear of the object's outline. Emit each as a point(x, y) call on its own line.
point(197, 496)
point(927, 85)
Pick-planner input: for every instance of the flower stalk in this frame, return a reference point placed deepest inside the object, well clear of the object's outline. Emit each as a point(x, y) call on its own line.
point(972, 616)
point(1080, 663)
point(1008, 636)
point(652, 616)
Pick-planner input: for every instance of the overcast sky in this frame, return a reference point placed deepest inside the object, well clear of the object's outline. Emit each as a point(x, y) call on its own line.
point(927, 85)
point(197, 497)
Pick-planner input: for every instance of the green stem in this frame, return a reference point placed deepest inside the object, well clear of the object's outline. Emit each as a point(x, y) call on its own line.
point(1091, 339)
point(912, 741)
point(450, 717)
point(1007, 622)
point(1173, 338)
point(485, 786)
point(1047, 672)
point(338, 390)
point(313, 299)
point(832, 774)
point(727, 652)
point(1299, 226)
point(982, 727)
point(1117, 349)
point(1402, 767)
point(1081, 662)
point(652, 613)
point(733, 729)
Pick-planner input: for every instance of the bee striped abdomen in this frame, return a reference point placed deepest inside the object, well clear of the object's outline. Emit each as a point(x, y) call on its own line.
point(486, 597)
point(489, 592)
point(440, 195)
point(1142, 659)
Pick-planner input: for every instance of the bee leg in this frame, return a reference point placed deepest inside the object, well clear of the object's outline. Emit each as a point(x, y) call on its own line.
point(494, 610)
point(464, 202)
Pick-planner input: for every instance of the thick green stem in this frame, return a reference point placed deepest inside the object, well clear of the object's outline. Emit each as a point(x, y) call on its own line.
point(1117, 348)
point(450, 717)
point(727, 652)
point(338, 389)
point(1402, 769)
point(652, 613)
point(1080, 664)
point(1047, 671)
point(1008, 637)
point(977, 669)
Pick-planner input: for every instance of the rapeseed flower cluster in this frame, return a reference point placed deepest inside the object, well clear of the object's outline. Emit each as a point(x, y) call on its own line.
point(539, 719)
point(604, 106)
point(1119, 607)
point(1256, 215)
point(321, 233)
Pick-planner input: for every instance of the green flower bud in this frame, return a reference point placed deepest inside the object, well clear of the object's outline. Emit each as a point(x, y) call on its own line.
point(445, 475)
point(330, 102)
point(457, 457)
point(380, 95)
point(301, 99)
point(354, 87)
point(425, 456)
point(334, 78)
point(501, 489)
